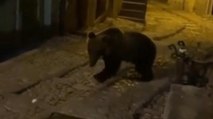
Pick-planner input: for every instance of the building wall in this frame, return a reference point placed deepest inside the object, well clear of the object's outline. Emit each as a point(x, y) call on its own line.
point(101, 7)
point(55, 15)
point(47, 12)
point(34, 13)
point(211, 7)
point(82, 14)
point(164, 1)
point(71, 16)
point(176, 4)
point(189, 5)
point(7, 23)
point(201, 7)
point(7, 16)
point(114, 7)
point(24, 21)
point(31, 30)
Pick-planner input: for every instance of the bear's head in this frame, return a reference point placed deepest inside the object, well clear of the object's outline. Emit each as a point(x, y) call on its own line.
point(97, 47)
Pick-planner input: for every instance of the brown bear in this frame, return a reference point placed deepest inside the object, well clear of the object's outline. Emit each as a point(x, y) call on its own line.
point(115, 46)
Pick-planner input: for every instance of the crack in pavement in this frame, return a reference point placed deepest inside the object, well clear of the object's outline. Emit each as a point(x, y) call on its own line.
point(180, 30)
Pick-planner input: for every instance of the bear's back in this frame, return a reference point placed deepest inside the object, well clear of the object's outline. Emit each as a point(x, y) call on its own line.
point(137, 45)
point(137, 38)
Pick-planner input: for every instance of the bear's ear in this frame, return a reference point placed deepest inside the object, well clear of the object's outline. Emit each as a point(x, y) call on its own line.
point(92, 35)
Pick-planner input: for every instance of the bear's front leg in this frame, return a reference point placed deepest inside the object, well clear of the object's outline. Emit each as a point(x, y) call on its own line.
point(111, 68)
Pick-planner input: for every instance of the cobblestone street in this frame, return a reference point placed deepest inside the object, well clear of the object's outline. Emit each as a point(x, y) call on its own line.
point(56, 77)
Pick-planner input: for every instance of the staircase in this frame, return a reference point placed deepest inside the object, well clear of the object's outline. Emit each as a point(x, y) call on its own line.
point(134, 10)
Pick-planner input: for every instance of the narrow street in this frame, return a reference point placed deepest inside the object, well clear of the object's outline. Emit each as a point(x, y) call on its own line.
point(56, 78)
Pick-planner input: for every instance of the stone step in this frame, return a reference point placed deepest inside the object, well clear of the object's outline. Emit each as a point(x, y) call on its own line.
point(134, 10)
point(187, 102)
point(44, 63)
point(113, 104)
point(133, 13)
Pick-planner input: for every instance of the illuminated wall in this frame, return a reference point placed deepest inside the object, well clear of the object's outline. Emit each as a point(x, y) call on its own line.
point(201, 7)
point(204, 7)
point(177, 4)
point(187, 5)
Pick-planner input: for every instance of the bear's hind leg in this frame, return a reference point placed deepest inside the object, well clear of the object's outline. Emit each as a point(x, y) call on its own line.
point(101, 76)
point(146, 72)
point(111, 68)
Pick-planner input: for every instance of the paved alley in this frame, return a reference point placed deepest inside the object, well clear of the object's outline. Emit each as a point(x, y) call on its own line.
point(56, 77)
